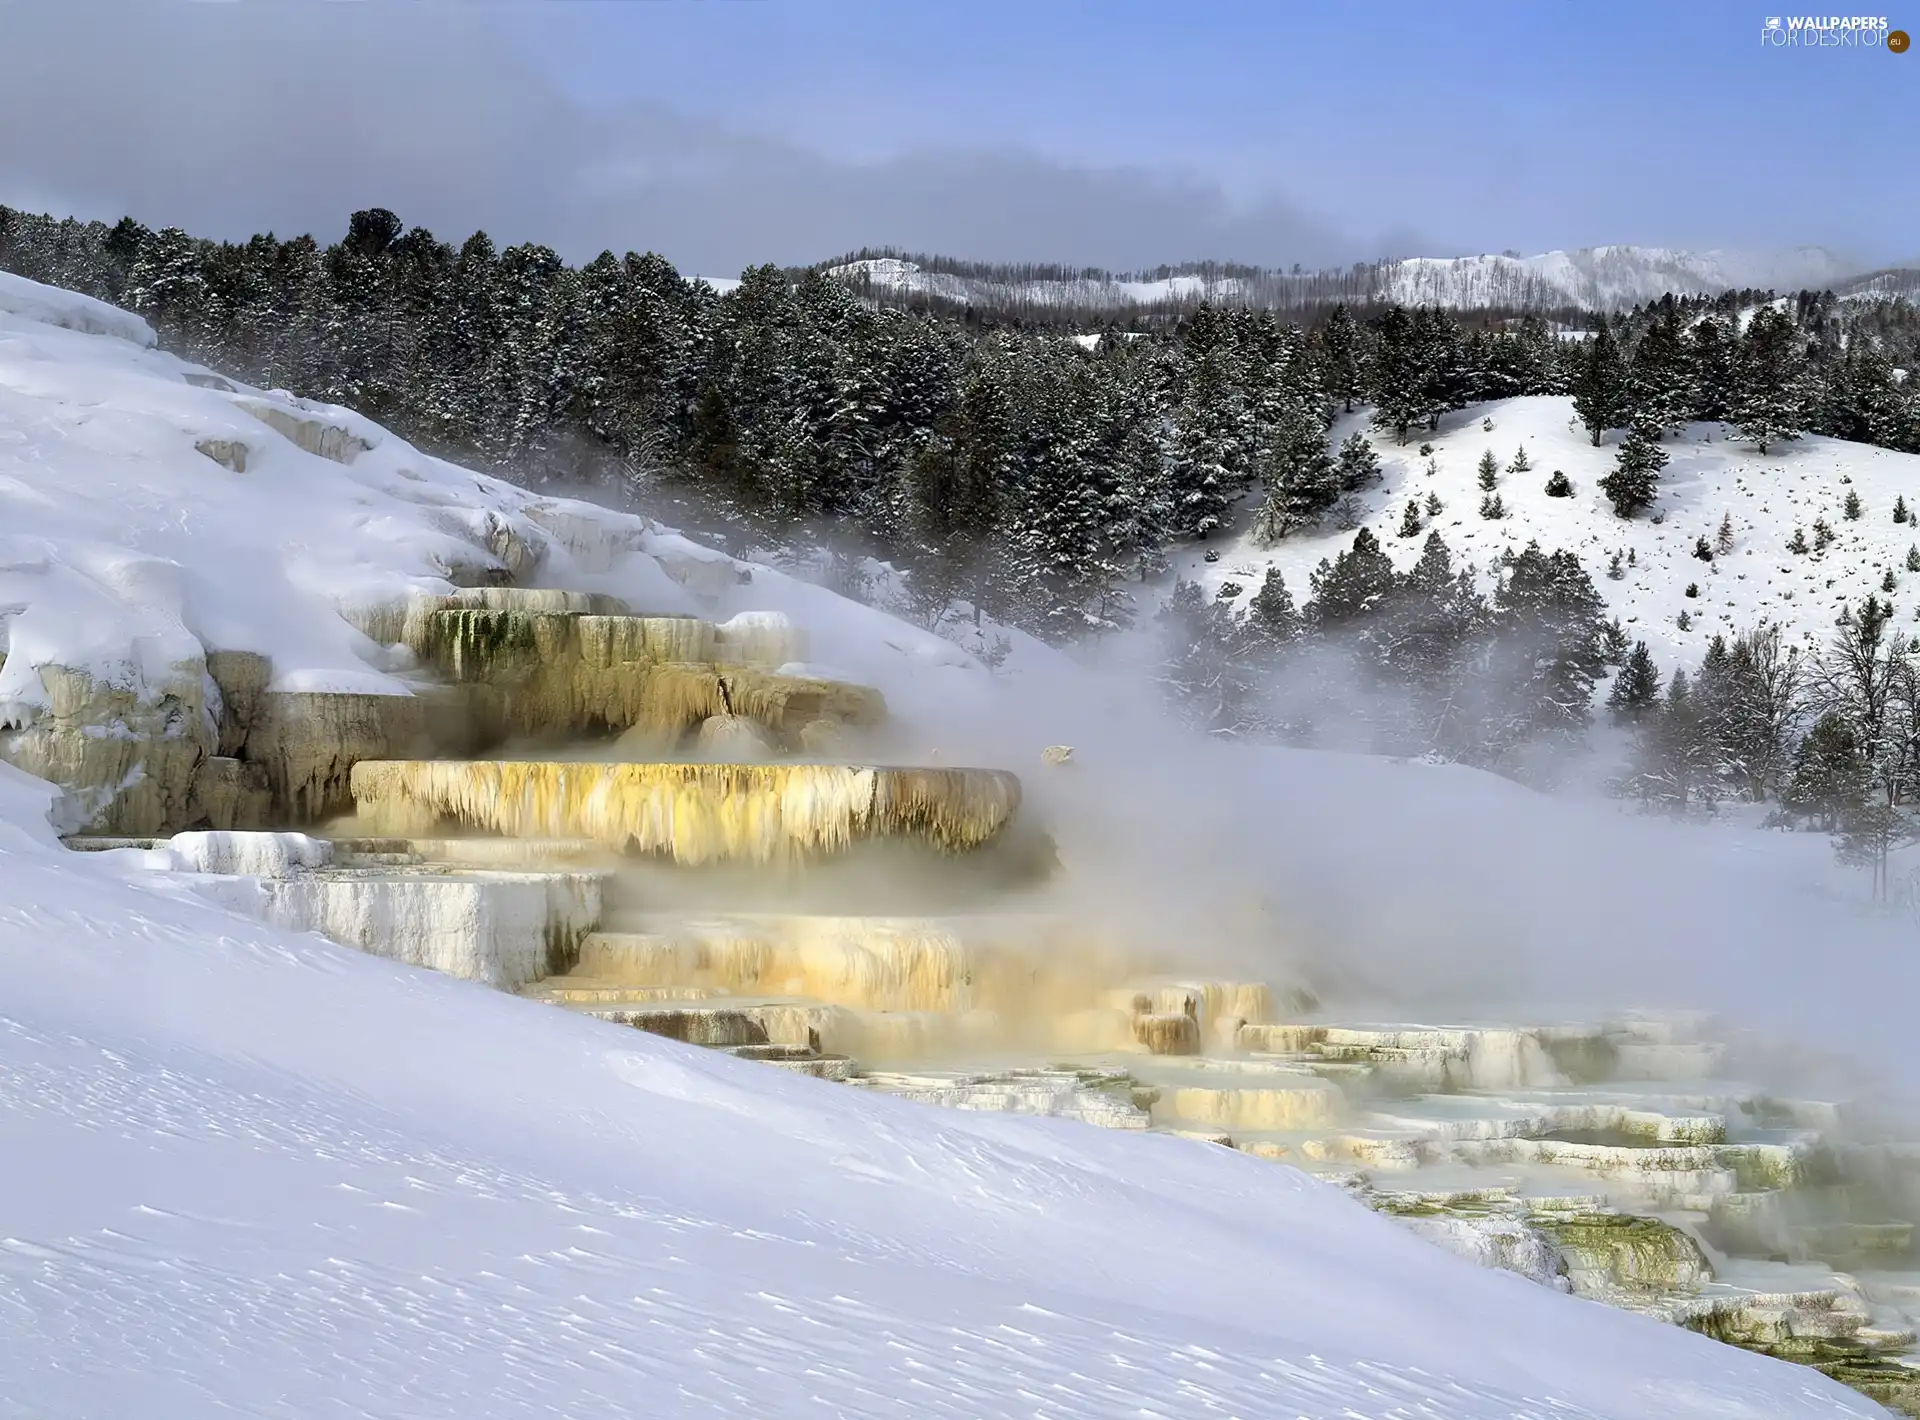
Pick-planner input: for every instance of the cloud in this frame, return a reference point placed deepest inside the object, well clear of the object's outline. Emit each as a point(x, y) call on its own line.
point(229, 119)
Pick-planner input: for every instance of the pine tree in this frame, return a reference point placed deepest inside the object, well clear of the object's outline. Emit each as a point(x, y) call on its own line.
point(1600, 388)
point(1771, 401)
point(1410, 521)
point(1548, 655)
point(1559, 485)
point(1616, 571)
point(1887, 582)
point(1358, 465)
point(1632, 485)
point(1636, 689)
point(1340, 356)
point(1723, 540)
point(1823, 535)
point(1272, 619)
point(1798, 542)
point(1658, 395)
point(1353, 590)
point(1830, 780)
point(1489, 471)
point(1900, 509)
point(1913, 558)
point(1702, 549)
point(1613, 643)
point(1493, 507)
point(1434, 506)
point(1521, 463)
point(1851, 509)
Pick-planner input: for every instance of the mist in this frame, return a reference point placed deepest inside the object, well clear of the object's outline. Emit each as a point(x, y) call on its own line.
point(1403, 889)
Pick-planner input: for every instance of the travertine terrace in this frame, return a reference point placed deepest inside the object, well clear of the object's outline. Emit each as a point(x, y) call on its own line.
point(628, 817)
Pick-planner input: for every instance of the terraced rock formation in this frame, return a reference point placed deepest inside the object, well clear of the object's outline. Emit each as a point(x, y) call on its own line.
point(672, 858)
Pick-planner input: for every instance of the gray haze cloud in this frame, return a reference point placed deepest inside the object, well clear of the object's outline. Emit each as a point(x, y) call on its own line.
point(228, 119)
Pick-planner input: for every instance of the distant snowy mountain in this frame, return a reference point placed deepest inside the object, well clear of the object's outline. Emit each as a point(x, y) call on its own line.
point(1100, 289)
point(1606, 277)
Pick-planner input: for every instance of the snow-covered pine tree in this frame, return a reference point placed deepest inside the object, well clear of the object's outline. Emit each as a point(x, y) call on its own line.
point(1600, 388)
point(1723, 539)
point(1489, 472)
point(1272, 619)
point(1659, 397)
point(1636, 689)
point(1358, 464)
point(1634, 482)
point(1771, 400)
point(1339, 341)
point(1410, 521)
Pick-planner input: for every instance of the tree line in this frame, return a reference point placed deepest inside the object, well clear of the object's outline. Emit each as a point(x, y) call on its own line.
point(1029, 475)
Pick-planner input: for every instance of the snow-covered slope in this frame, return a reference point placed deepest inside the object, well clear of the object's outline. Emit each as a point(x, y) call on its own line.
point(254, 1172)
point(1604, 278)
point(1710, 475)
point(906, 277)
point(261, 1174)
point(151, 510)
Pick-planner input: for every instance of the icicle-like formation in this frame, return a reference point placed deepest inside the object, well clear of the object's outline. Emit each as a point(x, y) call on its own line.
point(692, 813)
point(1016, 976)
point(1297, 1104)
point(546, 672)
point(257, 855)
point(505, 929)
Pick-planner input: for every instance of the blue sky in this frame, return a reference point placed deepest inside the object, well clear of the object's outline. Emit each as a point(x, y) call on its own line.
point(1492, 125)
point(1121, 133)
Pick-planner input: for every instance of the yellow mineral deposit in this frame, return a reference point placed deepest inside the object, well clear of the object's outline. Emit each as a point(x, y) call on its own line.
point(691, 813)
point(1302, 1103)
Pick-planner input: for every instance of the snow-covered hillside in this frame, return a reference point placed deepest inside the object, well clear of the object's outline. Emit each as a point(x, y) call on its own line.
point(155, 511)
point(1711, 476)
point(260, 1174)
point(1604, 278)
point(1594, 278)
point(255, 1172)
point(906, 277)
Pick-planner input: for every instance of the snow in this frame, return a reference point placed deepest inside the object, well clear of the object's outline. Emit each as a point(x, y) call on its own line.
point(281, 1177)
point(1602, 277)
point(892, 273)
point(1710, 474)
point(1607, 277)
point(128, 551)
point(29, 300)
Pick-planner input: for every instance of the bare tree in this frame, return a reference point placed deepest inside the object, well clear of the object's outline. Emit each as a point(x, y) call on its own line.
point(1866, 676)
point(1767, 698)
